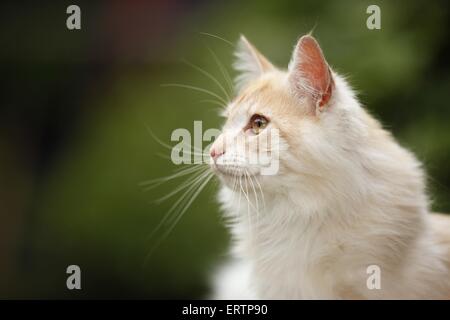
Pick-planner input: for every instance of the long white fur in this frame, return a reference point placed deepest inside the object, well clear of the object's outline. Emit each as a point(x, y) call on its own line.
point(347, 196)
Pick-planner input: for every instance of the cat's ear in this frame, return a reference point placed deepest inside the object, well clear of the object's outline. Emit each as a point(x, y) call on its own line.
point(309, 73)
point(249, 63)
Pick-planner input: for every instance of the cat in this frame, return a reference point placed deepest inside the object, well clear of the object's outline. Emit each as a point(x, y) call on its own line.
point(346, 195)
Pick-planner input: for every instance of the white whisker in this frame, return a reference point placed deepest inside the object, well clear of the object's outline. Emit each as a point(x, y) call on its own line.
point(224, 71)
point(168, 213)
point(150, 184)
point(210, 76)
point(180, 214)
point(184, 185)
point(254, 191)
point(217, 37)
point(187, 86)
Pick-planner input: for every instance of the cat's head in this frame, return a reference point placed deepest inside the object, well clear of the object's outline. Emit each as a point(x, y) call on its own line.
point(297, 119)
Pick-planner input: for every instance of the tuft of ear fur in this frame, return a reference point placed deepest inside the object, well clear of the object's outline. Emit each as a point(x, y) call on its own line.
point(310, 74)
point(249, 63)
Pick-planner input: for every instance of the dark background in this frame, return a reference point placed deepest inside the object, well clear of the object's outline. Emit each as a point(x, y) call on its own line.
point(75, 105)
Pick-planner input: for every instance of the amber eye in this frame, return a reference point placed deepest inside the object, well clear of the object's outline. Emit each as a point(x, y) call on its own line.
point(258, 123)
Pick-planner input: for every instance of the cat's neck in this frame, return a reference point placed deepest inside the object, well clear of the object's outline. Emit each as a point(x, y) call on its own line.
point(288, 243)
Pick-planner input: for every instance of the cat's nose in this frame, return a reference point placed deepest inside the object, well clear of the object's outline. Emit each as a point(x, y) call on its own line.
point(216, 153)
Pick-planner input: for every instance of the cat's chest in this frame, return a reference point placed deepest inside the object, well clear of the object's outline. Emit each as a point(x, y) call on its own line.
point(290, 260)
point(291, 256)
point(293, 266)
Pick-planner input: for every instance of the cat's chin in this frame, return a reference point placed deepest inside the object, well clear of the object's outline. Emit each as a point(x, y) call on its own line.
point(228, 172)
point(231, 175)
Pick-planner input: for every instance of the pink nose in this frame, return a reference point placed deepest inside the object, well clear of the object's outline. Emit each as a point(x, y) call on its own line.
point(216, 153)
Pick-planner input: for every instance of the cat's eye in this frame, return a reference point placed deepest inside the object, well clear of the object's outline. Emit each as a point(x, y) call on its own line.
point(258, 123)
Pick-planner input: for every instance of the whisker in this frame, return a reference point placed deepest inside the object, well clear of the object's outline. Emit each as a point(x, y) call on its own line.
point(245, 195)
point(246, 188)
point(240, 191)
point(163, 156)
point(210, 76)
point(182, 186)
point(179, 216)
point(186, 86)
point(261, 192)
point(182, 200)
point(213, 102)
point(217, 37)
point(168, 146)
point(207, 175)
point(174, 206)
point(150, 184)
point(194, 196)
point(233, 187)
point(223, 70)
point(157, 139)
point(249, 203)
point(254, 192)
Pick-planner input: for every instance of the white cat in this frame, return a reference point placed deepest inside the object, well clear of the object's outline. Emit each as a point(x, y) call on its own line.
point(347, 196)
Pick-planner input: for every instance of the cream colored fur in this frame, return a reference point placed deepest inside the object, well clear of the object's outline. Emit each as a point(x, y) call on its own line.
point(347, 196)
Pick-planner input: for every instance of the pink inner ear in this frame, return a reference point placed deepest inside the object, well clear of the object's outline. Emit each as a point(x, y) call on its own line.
point(313, 69)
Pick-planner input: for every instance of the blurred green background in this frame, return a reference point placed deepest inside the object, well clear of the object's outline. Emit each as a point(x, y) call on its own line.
point(74, 146)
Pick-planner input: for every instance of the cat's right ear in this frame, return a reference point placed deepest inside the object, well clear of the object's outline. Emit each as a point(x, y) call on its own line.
point(249, 63)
